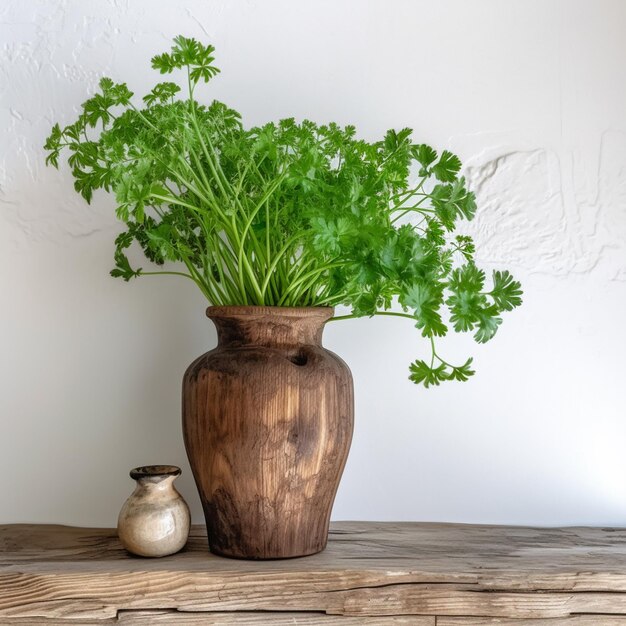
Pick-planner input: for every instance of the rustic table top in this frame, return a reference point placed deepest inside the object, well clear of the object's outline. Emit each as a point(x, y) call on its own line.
point(371, 573)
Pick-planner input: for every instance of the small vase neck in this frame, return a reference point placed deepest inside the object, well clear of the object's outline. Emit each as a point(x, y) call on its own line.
point(146, 486)
point(269, 326)
point(155, 477)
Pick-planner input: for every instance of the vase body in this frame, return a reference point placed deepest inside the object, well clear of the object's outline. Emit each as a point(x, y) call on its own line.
point(267, 423)
point(154, 520)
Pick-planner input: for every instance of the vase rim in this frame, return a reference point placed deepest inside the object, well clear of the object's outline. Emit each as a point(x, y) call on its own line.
point(325, 312)
point(152, 471)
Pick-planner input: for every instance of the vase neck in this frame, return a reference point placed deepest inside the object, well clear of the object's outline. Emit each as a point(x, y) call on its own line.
point(269, 326)
point(155, 477)
point(150, 486)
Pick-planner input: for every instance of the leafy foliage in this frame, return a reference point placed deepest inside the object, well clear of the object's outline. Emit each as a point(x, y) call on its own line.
point(422, 372)
point(285, 214)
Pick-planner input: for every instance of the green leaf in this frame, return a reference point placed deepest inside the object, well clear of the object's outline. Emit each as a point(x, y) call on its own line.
point(365, 304)
point(158, 189)
point(204, 72)
point(465, 245)
point(462, 372)
point(53, 146)
point(265, 141)
point(394, 140)
point(435, 233)
point(185, 50)
point(421, 372)
point(188, 52)
point(425, 300)
point(468, 277)
point(161, 241)
point(83, 183)
point(161, 93)
point(329, 234)
point(488, 323)
point(115, 93)
point(466, 307)
point(54, 139)
point(165, 63)
point(453, 201)
point(96, 110)
point(122, 265)
point(467, 303)
point(425, 155)
point(447, 167)
point(506, 292)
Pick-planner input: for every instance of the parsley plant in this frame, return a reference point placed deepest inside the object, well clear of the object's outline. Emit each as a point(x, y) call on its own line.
point(288, 213)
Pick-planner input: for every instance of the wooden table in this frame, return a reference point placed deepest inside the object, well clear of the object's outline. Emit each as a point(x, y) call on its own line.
point(379, 574)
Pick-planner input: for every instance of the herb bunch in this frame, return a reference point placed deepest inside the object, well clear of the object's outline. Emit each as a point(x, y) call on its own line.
point(288, 213)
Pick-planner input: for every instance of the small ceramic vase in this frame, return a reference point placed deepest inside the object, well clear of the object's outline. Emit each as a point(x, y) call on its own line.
point(155, 519)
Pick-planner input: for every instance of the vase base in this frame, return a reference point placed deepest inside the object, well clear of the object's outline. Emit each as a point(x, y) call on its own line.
point(242, 557)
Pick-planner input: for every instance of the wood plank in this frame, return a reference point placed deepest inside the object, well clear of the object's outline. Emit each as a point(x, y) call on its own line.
point(101, 596)
point(579, 620)
point(576, 559)
point(146, 618)
point(368, 570)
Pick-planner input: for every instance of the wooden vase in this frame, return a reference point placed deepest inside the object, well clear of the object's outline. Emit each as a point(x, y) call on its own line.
point(267, 423)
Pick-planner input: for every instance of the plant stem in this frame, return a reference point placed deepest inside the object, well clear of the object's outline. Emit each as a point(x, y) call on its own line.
point(351, 316)
point(167, 273)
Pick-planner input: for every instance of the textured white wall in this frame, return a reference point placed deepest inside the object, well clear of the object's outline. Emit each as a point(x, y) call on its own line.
point(531, 94)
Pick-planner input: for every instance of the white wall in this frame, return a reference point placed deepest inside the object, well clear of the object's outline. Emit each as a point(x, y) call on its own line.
point(531, 94)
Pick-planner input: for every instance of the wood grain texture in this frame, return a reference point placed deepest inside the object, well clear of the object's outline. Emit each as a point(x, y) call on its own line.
point(146, 618)
point(370, 571)
point(267, 423)
point(307, 619)
point(579, 620)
